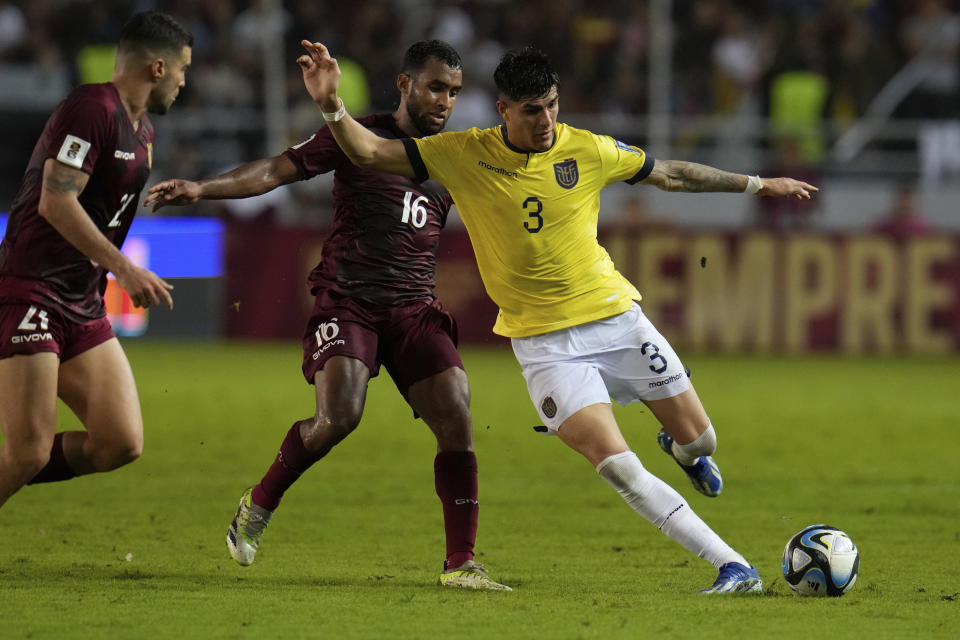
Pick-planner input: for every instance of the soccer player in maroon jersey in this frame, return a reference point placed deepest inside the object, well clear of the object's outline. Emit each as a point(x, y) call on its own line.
point(374, 305)
point(72, 213)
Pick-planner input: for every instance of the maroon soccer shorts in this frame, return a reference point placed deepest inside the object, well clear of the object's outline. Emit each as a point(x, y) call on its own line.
point(28, 327)
point(412, 341)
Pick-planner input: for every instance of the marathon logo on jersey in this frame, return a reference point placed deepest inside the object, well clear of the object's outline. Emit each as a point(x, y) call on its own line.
point(73, 151)
point(567, 173)
point(626, 147)
point(124, 155)
point(326, 335)
point(499, 170)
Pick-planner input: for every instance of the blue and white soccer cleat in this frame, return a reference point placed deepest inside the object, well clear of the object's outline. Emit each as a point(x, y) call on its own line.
point(736, 578)
point(704, 474)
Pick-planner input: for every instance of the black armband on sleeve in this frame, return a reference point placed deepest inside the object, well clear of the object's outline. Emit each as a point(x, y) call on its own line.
point(416, 161)
point(644, 170)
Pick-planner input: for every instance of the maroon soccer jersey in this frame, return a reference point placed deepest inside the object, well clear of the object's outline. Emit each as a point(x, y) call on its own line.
point(386, 229)
point(90, 131)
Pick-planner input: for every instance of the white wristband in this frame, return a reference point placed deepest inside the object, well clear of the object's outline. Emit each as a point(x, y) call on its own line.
point(754, 184)
point(337, 115)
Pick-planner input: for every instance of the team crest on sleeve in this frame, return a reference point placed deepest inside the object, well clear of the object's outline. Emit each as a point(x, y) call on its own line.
point(566, 173)
point(626, 147)
point(73, 151)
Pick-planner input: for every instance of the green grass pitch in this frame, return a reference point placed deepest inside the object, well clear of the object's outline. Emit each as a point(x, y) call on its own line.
point(867, 445)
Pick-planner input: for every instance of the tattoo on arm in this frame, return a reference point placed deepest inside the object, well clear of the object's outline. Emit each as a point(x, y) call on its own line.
point(63, 180)
point(677, 175)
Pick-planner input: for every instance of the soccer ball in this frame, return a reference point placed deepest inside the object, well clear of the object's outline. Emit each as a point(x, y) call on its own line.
point(821, 561)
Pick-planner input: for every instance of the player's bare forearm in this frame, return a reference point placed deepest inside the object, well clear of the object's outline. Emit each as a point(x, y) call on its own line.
point(251, 179)
point(368, 150)
point(60, 206)
point(321, 77)
point(691, 177)
point(247, 180)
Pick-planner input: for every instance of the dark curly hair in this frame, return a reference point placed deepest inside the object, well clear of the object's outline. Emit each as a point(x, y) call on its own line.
point(525, 74)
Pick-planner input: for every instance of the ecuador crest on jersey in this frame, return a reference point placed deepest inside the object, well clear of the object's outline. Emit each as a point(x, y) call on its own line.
point(566, 173)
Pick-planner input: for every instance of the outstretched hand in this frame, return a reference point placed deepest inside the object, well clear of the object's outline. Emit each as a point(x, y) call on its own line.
point(321, 75)
point(787, 187)
point(172, 192)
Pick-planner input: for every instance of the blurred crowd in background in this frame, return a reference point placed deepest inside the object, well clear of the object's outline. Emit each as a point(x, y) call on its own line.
point(803, 72)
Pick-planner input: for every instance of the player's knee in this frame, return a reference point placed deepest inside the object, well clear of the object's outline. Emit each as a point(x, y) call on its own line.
point(626, 474)
point(455, 434)
point(323, 432)
point(117, 454)
point(27, 461)
point(343, 423)
point(704, 445)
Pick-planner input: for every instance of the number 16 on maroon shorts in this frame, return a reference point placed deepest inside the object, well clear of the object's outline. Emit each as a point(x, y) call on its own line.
point(412, 341)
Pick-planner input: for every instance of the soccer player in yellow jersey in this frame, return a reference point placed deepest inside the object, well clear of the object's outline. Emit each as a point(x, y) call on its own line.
point(528, 193)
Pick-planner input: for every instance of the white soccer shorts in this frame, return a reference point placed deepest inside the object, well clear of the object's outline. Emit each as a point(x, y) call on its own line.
point(623, 357)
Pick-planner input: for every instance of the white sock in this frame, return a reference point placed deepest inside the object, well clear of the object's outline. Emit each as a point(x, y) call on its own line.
point(659, 503)
point(704, 445)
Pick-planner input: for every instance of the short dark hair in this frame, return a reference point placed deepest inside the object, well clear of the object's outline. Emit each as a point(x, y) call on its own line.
point(525, 74)
point(153, 33)
point(419, 52)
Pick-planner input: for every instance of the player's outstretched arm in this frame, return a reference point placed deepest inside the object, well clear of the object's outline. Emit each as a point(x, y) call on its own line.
point(321, 77)
point(60, 206)
point(247, 180)
point(678, 175)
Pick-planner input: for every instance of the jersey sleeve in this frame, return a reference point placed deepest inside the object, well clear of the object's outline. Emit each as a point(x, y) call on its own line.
point(318, 154)
point(79, 133)
point(437, 157)
point(622, 161)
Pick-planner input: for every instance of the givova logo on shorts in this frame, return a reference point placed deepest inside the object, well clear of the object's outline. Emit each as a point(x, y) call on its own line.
point(34, 319)
point(326, 335)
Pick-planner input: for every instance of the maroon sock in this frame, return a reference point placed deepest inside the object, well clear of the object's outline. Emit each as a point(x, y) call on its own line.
point(455, 478)
point(292, 460)
point(56, 468)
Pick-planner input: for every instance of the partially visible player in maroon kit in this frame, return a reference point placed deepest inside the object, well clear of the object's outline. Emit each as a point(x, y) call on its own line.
point(374, 305)
point(71, 215)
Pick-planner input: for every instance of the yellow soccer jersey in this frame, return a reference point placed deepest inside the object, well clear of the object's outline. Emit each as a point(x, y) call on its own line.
point(532, 220)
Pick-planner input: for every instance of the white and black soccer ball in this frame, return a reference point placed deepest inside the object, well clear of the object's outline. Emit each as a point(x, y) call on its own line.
point(821, 561)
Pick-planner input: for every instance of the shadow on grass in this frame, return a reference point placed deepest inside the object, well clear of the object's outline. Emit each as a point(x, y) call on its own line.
point(25, 575)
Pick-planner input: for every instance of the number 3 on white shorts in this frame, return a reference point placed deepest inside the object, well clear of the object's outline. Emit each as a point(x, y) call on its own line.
point(654, 356)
